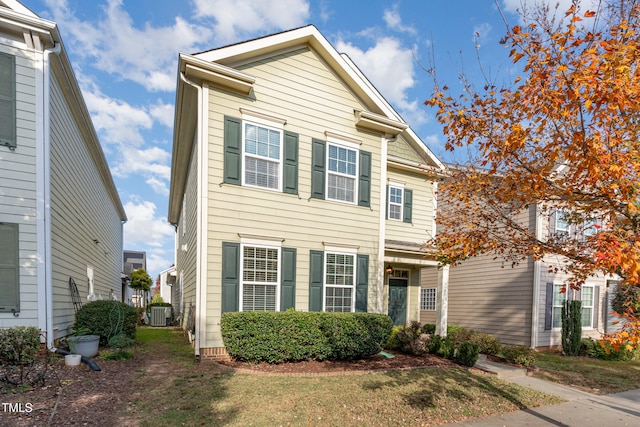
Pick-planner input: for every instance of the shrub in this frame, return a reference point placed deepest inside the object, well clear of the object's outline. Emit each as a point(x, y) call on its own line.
point(411, 340)
point(429, 328)
point(571, 327)
point(19, 345)
point(487, 344)
point(447, 348)
point(120, 341)
point(107, 319)
point(392, 342)
point(295, 336)
point(117, 355)
point(434, 344)
point(603, 350)
point(518, 354)
point(467, 353)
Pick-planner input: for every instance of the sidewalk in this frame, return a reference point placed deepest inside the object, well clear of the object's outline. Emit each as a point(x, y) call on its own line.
point(581, 409)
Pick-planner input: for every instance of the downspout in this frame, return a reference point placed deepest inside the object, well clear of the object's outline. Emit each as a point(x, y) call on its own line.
point(199, 282)
point(47, 189)
point(383, 225)
point(537, 265)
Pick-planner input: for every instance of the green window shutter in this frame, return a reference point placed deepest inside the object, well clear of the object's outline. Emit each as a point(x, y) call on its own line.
point(230, 276)
point(7, 100)
point(596, 306)
point(316, 279)
point(290, 164)
point(9, 268)
point(232, 150)
point(362, 283)
point(364, 183)
point(408, 201)
point(318, 153)
point(288, 279)
point(548, 308)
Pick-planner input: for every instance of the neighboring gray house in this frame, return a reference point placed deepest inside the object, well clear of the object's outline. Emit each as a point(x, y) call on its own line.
point(520, 305)
point(60, 214)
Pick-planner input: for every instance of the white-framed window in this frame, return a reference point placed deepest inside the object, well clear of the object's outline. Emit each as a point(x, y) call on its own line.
point(587, 296)
point(262, 155)
point(342, 171)
point(260, 278)
point(428, 299)
point(562, 225)
point(339, 281)
point(559, 298)
point(399, 274)
point(396, 201)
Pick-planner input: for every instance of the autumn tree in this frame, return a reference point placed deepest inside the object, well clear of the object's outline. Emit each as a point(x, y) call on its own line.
point(563, 135)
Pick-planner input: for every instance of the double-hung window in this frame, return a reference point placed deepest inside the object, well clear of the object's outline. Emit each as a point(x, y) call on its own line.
point(342, 173)
point(260, 278)
point(562, 225)
point(339, 281)
point(559, 298)
point(262, 156)
point(428, 299)
point(396, 196)
point(587, 296)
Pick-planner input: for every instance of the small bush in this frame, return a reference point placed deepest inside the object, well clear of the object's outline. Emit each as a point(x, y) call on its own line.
point(107, 318)
point(467, 353)
point(518, 354)
point(447, 348)
point(434, 344)
point(429, 328)
point(19, 345)
point(604, 351)
point(120, 341)
point(487, 344)
point(296, 336)
point(392, 342)
point(411, 340)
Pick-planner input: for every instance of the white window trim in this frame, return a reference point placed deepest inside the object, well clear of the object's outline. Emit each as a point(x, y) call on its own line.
point(592, 306)
point(558, 229)
point(272, 125)
point(401, 188)
point(342, 251)
point(422, 299)
point(350, 145)
point(243, 244)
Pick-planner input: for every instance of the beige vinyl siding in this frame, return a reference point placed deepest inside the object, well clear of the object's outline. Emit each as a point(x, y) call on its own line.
point(420, 228)
point(82, 213)
point(187, 241)
point(298, 87)
point(18, 188)
point(398, 147)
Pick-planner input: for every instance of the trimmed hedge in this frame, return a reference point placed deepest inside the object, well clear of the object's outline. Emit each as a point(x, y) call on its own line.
point(107, 318)
point(277, 337)
point(19, 345)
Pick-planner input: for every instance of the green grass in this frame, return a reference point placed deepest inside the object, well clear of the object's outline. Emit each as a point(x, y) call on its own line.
point(177, 391)
point(591, 375)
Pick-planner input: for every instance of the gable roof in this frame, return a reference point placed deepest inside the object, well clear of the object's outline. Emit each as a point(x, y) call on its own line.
point(219, 66)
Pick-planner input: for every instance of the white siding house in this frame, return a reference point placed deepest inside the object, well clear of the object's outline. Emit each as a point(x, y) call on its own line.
point(60, 214)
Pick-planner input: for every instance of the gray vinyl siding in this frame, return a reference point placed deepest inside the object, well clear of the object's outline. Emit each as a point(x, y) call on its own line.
point(299, 87)
point(18, 188)
point(82, 212)
point(187, 239)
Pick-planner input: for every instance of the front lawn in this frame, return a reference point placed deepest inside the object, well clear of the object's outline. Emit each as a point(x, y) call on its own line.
point(174, 390)
point(591, 375)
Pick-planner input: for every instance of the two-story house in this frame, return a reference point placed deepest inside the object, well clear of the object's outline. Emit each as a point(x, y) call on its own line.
point(60, 214)
point(522, 304)
point(294, 185)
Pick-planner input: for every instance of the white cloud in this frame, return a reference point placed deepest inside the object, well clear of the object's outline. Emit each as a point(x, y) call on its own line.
point(162, 113)
point(557, 8)
point(481, 32)
point(144, 227)
point(157, 261)
point(388, 65)
point(235, 18)
point(394, 21)
point(152, 163)
point(144, 55)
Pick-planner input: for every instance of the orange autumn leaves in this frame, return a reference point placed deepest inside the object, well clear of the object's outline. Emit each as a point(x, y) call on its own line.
point(563, 135)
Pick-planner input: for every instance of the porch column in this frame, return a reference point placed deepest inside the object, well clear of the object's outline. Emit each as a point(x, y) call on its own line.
point(442, 298)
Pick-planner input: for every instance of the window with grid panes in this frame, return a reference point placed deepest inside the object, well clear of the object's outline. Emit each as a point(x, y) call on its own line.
point(587, 295)
point(339, 282)
point(341, 173)
point(259, 278)
point(262, 156)
point(428, 299)
point(395, 203)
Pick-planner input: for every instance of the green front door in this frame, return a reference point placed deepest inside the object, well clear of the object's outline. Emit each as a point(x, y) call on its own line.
point(398, 301)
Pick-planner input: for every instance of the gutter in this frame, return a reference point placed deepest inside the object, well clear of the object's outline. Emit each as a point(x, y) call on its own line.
point(46, 75)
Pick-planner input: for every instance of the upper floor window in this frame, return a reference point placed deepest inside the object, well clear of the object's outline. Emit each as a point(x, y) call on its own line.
point(562, 224)
point(395, 202)
point(342, 173)
point(262, 156)
point(7, 100)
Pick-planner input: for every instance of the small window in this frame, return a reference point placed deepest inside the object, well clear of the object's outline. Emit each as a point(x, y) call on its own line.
point(262, 156)
point(562, 225)
point(339, 280)
point(342, 172)
point(587, 293)
point(395, 203)
point(428, 299)
point(559, 298)
point(260, 278)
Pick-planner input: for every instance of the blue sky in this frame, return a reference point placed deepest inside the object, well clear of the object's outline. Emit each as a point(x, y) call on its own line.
point(124, 54)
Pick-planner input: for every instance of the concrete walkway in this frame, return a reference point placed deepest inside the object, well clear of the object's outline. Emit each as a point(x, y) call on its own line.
point(581, 409)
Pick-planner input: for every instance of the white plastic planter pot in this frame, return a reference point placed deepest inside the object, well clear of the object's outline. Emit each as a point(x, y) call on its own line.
point(85, 345)
point(72, 359)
